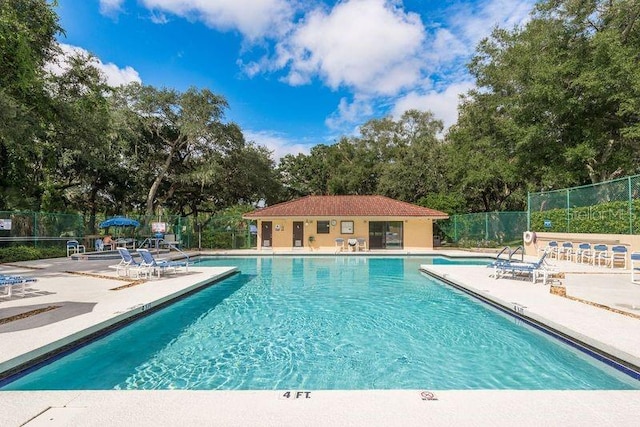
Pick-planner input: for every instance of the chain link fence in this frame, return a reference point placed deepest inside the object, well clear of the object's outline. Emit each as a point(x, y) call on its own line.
point(607, 207)
point(41, 229)
point(483, 229)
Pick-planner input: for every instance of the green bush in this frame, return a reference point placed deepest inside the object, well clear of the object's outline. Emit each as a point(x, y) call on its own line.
point(604, 218)
point(28, 253)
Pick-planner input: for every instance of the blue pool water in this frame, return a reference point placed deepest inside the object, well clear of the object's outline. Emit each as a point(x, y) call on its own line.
point(326, 323)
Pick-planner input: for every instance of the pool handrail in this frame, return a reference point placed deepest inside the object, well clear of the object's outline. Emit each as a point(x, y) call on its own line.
point(506, 249)
point(184, 254)
point(515, 251)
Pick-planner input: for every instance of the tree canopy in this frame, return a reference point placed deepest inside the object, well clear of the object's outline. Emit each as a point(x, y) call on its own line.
point(556, 104)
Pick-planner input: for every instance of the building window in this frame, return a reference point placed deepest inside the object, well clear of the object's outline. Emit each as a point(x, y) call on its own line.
point(323, 227)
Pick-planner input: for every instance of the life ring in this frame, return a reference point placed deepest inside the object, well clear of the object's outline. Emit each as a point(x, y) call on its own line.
point(529, 237)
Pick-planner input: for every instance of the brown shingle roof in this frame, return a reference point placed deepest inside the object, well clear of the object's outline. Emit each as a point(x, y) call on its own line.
point(311, 206)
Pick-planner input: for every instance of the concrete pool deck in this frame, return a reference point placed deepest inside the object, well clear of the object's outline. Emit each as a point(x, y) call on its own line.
point(82, 291)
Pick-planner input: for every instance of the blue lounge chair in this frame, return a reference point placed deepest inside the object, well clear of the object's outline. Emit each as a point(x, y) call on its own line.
point(519, 268)
point(9, 282)
point(129, 265)
point(160, 265)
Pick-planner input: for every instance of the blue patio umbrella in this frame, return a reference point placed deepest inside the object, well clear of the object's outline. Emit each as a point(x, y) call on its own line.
point(119, 221)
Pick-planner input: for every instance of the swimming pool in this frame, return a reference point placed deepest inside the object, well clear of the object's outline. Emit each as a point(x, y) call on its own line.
point(326, 323)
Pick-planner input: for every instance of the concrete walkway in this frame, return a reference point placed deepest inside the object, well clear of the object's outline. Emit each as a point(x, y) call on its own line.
point(83, 292)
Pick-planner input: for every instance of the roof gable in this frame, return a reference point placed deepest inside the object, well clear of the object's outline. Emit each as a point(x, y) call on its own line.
point(323, 206)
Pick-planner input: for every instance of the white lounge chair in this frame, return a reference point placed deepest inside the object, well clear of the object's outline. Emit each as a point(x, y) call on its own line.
point(130, 266)
point(160, 265)
point(340, 244)
point(519, 268)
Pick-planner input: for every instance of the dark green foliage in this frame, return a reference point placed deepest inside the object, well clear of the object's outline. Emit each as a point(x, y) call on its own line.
point(605, 218)
point(557, 104)
point(27, 253)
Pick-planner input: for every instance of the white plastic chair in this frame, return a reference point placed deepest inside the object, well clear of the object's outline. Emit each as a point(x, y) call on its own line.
point(74, 247)
point(635, 267)
point(618, 256)
point(362, 244)
point(583, 249)
point(600, 254)
point(565, 251)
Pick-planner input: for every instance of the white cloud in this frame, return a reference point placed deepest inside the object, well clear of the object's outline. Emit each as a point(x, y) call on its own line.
point(159, 18)
point(369, 46)
point(255, 19)
point(384, 57)
point(114, 75)
point(111, 7)
point(474, 23)
point(349, 113)
point(443, 105)
point(446, 47)
point(277, 143)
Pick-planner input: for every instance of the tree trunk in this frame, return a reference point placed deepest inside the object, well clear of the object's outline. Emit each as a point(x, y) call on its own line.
point(151, 196)
point(92, 209)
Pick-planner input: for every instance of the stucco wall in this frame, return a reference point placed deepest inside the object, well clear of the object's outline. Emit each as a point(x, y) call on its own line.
point(417, 232)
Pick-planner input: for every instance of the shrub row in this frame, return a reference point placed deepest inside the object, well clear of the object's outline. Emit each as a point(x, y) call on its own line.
point(27, 253)
point(605, 218)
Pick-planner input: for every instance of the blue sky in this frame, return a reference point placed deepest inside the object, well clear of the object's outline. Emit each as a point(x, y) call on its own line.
point(295, 73)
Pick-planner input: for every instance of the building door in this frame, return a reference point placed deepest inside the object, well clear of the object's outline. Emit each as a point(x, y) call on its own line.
point(376, 234)
point(298, 234)
point(385, 235)
point(267, 234)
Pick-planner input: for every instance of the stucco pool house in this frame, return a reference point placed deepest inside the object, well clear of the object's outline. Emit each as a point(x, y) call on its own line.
point(315, 222)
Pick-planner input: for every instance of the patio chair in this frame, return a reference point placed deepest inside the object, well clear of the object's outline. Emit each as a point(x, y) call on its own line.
point(551, 249)
point(635, 267)
point(9, 282)
point(619, 256)
point(565, 251)
point(74, 247)
point(340, 244)
point(599, 254)
point(362, 244)
point(130, 266)
point(160, 265)
point(583, 248)
point(99, 245)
